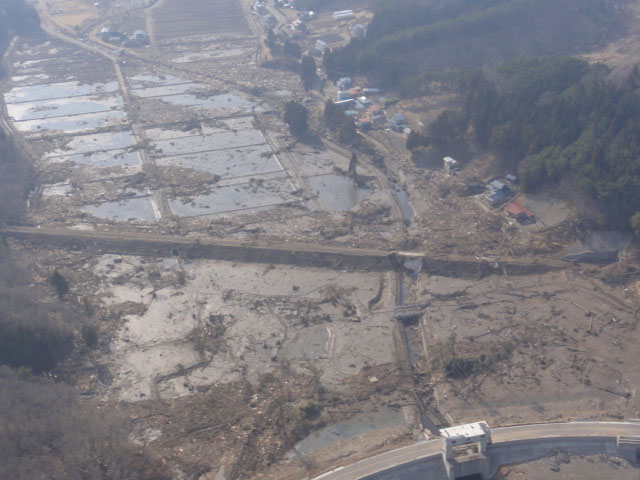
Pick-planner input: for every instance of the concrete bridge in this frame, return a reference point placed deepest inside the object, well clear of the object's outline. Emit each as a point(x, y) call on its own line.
point(507, 446)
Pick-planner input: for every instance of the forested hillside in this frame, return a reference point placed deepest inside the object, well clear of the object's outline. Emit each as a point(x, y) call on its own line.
point(17, 17)
point(551, 118)
point(409, 38)
point(47, 433)
point(16, 178)
point(45, 430)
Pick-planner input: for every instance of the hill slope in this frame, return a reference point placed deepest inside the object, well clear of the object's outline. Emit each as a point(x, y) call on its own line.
point(431, 35)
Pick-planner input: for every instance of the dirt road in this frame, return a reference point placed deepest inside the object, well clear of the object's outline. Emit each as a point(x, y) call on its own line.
point(149, 244)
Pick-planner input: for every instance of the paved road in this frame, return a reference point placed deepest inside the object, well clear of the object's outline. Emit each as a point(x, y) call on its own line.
point(426, 449)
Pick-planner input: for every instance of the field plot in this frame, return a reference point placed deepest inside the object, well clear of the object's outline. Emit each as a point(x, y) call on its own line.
point(68, 98)
point(50, 91)
point(204, 105)
point(213, 53)
point(189, 148)
point(229, 163)
point(167, 98)
point(101, 159)
point(95, 142)
point(63, 107)
point(134, 209)
point(206, 143)
point(56, 62)
point(77, 123)
point(208, 37)
point(225, 144)
point(75, 119)
point(252, 195)
point(197, 17)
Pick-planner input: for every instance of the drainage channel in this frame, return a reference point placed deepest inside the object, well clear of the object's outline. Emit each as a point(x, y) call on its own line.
point(410, 328)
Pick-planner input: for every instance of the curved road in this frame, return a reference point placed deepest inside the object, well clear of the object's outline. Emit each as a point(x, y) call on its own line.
point(425, 449)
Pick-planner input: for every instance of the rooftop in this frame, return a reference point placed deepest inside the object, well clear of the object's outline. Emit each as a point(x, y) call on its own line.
point(468, 430)
point(497, 184)
point(517, 209)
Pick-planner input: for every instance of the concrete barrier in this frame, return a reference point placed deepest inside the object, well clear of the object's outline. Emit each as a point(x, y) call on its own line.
point(213, 249)
point(428, 468)
point(522, 451)
point(519, 444)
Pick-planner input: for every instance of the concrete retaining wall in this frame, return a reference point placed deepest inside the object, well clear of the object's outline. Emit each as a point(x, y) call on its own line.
point(504, 454)
point(429, 468)
point(512, 453)
point(167, 247)
point(465, 268)
point(129, 243)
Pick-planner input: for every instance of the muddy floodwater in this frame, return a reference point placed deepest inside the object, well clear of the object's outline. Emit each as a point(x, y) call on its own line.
point(131, 209)
point(235, 197)
point(361, 423)
point(228, 162)
point(336, 192)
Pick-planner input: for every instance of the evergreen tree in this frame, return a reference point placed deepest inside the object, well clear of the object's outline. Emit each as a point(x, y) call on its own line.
point(295, 115)
point(308, 72)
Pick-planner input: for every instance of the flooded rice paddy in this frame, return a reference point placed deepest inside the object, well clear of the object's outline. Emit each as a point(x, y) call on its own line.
point(228, 162)
point(73, 124)
point(336, 192)
point(254, 195)
point(131, 209)
point(71, 101)
point(360, 424)
point(105, 159)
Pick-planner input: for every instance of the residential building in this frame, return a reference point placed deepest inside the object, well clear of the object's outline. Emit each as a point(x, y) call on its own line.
point(365, 123)
point(398, 122)
point(321, 45)
point(498, 198)
point(141, 37)
point(349, 103)
point(344, 83)
point(344, 16)
point(358, 31)
point(497, 185)
point(451, 165)
point(518, 212)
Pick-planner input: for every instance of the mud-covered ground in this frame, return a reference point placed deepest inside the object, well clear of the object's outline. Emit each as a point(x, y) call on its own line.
point(539, 347)
point(282, 372)
point(563, 466)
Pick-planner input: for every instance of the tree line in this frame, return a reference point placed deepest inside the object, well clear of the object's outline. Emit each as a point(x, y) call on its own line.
point(405, 39)
point(45, 430)
point(550, 118)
